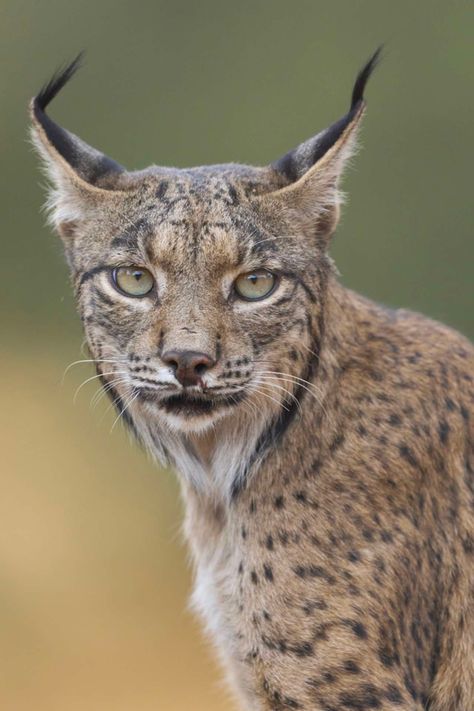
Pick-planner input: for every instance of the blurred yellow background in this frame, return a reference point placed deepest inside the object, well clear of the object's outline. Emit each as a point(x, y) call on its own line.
point(93, 576)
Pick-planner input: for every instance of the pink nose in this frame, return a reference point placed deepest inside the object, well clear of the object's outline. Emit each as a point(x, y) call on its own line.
point(188, 366)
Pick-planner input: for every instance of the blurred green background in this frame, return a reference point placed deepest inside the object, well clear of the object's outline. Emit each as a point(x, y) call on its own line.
point(93, 575)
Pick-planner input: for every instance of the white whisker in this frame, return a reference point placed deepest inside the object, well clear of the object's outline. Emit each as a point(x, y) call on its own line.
point(311, 388)
point(295, 379)
point(259, 391)
point(280, 387)
point(129, 402)
point(89, 360)
point(104, 389)
point(93, 377)
point(316, 355)
point(248, 405)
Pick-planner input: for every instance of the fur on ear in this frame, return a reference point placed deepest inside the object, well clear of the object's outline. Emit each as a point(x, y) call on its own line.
point(313, 169)
point(77, 171)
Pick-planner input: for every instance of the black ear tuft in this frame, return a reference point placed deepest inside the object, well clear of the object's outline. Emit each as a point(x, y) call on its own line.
point(88, 163)
point(294, 164)
point(59, 79)
point(363, 77)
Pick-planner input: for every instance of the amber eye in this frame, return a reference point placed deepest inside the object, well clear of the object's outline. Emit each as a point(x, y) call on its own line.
point(253, 286)
point(133, 281)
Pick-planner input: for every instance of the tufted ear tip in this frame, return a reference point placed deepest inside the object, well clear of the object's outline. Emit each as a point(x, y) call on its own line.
point(312, 171)
point(64, 152)
point(294, 164)
point(364, 76)
point(57, 82)
point(79, 174)
point(47, 93)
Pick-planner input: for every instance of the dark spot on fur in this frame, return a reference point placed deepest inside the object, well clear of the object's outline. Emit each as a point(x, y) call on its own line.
point(268, 573)
point(443, 431)
point(336, 443)
point(395, 420)
point(410, 687)
point(351, 667)
point(386, 657)
point(407, 454)
point(357, 627)
point(161, 189)
point(393, 694)
point(305, 649)
point(234, 198)
point(450, 404)
point(300, 496)
point(364, 697)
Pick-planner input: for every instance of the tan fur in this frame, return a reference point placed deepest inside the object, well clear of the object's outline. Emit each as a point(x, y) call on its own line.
point(330, 512)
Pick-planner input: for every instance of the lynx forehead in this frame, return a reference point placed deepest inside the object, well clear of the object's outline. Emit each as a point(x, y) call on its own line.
point(324, 444)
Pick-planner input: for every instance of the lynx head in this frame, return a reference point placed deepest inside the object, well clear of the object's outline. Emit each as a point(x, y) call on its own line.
point(201, 290)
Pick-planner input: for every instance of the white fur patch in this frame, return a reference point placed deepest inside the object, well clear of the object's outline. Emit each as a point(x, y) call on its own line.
point(237, 433)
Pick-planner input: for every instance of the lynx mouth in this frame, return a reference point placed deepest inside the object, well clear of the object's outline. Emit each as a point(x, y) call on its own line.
point(193, 404)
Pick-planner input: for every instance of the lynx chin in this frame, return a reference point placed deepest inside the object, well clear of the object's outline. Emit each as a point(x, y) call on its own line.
point(323, 443)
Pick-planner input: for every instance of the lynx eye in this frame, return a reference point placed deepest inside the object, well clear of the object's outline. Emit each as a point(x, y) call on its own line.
point(253, 286)
point(133, 281)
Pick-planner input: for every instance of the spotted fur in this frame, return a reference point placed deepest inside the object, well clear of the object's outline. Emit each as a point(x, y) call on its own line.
point(326, 458)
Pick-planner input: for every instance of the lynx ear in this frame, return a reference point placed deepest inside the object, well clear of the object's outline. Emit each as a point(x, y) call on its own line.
point(79, 173)
point(313, 169)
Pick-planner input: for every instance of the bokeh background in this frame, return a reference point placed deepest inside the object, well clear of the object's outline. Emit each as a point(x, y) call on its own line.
point(93, 574)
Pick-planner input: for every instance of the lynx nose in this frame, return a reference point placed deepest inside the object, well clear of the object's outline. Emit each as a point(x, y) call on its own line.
point(188, 366)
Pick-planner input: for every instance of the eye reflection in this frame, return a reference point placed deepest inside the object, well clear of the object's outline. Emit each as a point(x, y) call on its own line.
point(133, 281)
point(253, 286)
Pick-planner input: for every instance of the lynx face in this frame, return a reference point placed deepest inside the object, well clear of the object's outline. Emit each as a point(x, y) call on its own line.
point(230, 291)
point(201, 290)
